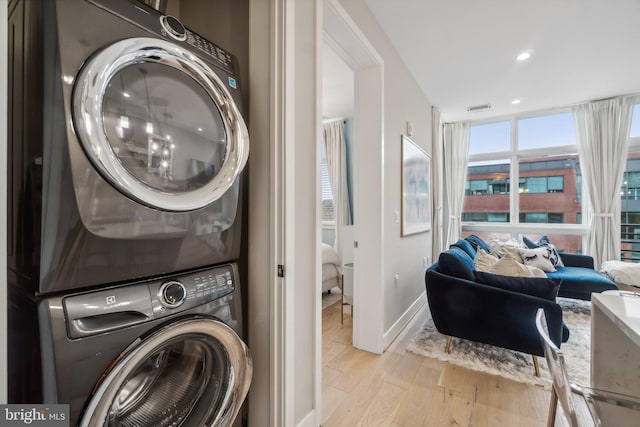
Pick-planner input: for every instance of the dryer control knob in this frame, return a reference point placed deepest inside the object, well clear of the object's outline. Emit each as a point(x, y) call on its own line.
point(172, 294)
point(173, 27)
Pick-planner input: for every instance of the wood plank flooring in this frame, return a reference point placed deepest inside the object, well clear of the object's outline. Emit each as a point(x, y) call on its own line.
point(402, 389)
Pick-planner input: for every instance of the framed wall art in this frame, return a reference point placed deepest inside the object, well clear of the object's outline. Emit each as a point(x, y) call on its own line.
point(416, 188)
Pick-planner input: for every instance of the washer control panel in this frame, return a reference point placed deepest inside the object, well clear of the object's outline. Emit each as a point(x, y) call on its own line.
point(189, 290)
point(172, 294)
point(108, 309)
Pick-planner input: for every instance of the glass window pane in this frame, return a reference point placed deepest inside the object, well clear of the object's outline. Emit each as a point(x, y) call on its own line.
point(535, 185)
point(487, 236)
point(327, 194)
point(546, 131)
point(549, 190)
point(490, 138)
point(487, 195)
point(630, 212)
point(555, 184)
point(635, 122)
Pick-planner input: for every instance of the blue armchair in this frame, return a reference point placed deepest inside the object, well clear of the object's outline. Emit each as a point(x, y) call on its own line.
point(498, 312)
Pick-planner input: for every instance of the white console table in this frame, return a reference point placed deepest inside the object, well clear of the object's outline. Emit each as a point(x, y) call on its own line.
point(615, 347)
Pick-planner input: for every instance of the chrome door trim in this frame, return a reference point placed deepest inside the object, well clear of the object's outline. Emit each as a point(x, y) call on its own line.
point(88, 96)
point(240, 370)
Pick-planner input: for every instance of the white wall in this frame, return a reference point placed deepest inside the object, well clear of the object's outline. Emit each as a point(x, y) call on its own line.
point(403, 102)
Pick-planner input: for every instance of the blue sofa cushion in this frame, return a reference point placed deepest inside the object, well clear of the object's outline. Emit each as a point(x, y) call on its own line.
point(467, 247)
point(457, 263)
point(477, 242)
point(579, 283)
point(534, 286)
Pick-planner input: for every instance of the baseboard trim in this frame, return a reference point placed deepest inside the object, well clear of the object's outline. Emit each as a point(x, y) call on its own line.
point(308, 420)
point(406, 317)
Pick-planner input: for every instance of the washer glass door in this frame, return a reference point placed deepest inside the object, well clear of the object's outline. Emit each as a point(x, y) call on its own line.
point(194, 372)
point(159, 125)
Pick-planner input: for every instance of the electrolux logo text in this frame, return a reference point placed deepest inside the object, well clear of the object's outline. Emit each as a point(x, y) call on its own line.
point(34, 415)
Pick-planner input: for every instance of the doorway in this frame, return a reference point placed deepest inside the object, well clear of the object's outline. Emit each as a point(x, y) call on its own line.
point(344, 37)
point(336, 170)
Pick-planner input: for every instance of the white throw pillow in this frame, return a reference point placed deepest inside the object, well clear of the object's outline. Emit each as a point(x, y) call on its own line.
point(508, 266)
point(625, 273)
point(538, 257)
point(501, 249)
point(484, 261)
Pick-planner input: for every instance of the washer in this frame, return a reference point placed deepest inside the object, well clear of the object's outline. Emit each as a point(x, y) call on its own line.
point(163, 352)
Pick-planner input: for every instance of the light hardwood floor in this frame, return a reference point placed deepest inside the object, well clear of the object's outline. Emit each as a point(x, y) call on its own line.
point(399, 388)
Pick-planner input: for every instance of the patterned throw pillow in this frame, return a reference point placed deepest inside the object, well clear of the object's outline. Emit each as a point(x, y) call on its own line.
point(538, 257)
point(544, 242)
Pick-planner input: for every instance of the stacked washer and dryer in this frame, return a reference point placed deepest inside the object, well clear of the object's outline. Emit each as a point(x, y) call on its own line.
point(126, 147)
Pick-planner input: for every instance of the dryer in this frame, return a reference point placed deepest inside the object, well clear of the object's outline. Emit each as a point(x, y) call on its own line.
point(126, 149)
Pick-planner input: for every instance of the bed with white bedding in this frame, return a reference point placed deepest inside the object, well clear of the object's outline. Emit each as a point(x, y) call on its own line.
point(331, 268)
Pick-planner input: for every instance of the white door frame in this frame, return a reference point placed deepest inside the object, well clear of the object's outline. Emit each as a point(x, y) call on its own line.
point(281, 125)
point(342, 34)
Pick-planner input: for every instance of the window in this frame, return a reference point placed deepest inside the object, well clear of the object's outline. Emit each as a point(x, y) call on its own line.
point(630, 209)
point(540, 157)
point(487, 191)
point(328, 214)
point(635, 122)
point(490, 138)
point(542, 217)
point(556, 130)
point(478, 187)
point(485, 216)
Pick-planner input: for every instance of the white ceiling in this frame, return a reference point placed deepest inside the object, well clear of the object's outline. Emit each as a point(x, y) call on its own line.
point(462, 52)
point(337, 86)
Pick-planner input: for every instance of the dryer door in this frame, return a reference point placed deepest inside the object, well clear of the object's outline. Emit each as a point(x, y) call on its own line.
point(159, 125)
point(193, 372)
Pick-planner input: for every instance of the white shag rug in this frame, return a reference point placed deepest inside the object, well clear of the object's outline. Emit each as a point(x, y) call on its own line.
point(512, 364)
point(331, 298)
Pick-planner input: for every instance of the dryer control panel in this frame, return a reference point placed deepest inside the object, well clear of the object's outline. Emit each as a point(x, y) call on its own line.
point(169, 27)
point(118, 307)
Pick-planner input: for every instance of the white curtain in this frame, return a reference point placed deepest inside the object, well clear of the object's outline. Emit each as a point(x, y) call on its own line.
point(456, 159)
point(437, 240)
point(602, 130)
point(337, 166)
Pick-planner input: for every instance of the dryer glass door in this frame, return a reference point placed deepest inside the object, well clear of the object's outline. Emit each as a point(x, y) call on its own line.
point(194, 372)
point(163, 127)
point(159, 125)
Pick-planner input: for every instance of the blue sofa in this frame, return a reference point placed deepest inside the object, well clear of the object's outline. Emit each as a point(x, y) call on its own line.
point(501, 310)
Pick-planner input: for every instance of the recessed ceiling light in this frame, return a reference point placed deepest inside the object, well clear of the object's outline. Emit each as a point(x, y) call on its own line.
point(515, 101)
point(199, 129)
point(126, 94)
point(523, 56)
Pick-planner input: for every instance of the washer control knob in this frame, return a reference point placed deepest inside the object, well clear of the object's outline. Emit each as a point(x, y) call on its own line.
point(173, 27)
point(172, 294)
